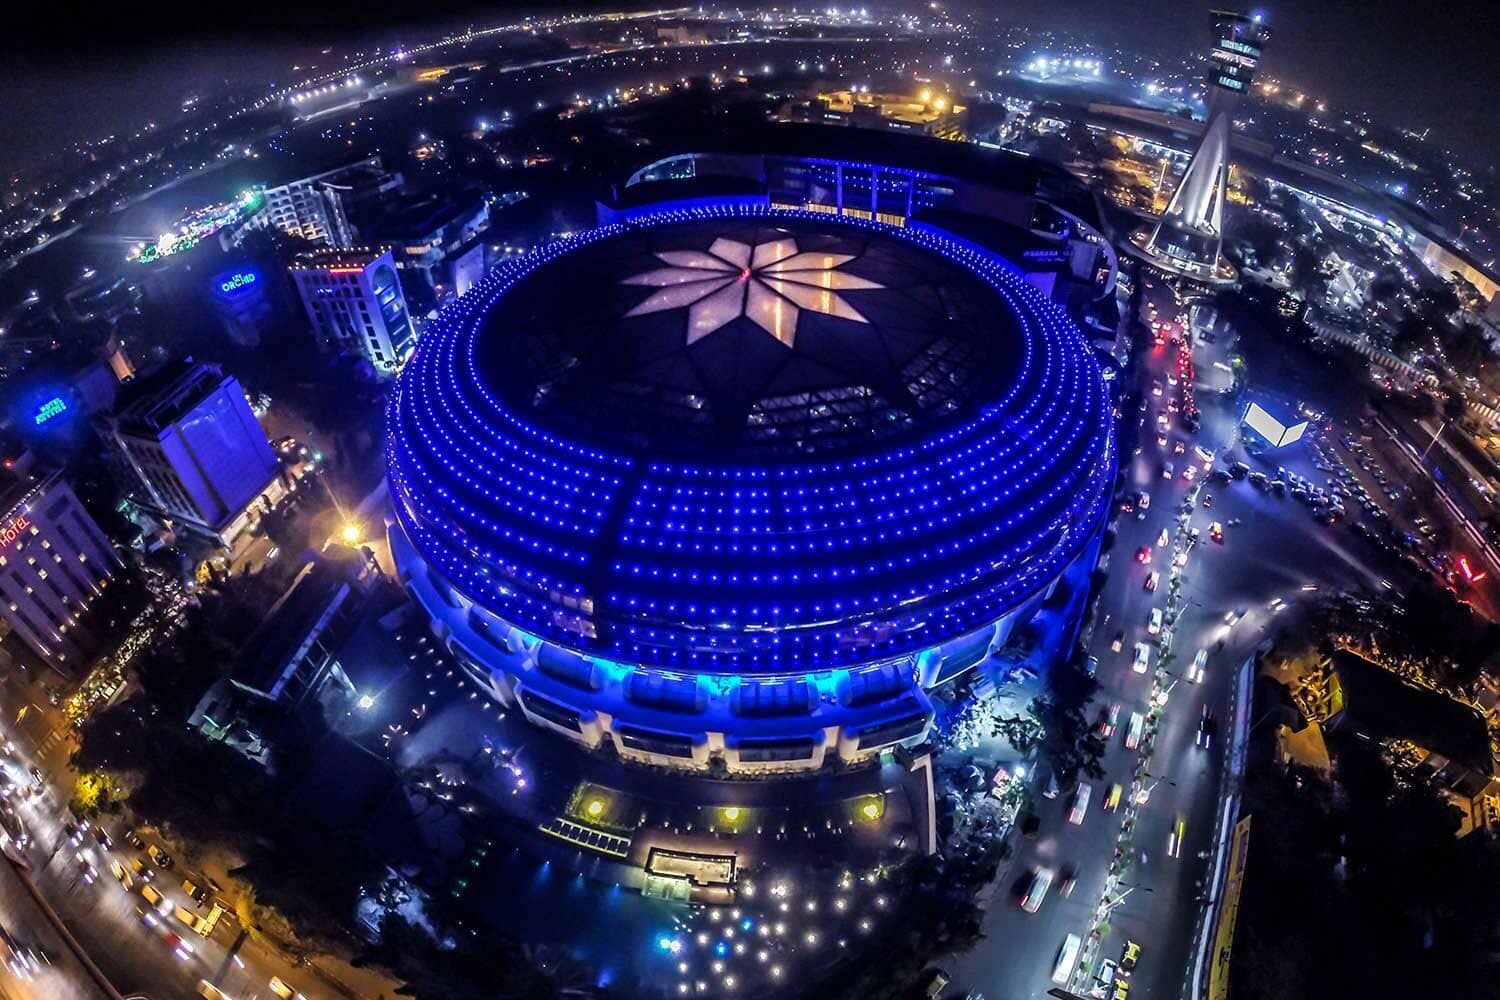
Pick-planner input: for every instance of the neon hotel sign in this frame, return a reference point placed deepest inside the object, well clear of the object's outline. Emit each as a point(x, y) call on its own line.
point(13, 529)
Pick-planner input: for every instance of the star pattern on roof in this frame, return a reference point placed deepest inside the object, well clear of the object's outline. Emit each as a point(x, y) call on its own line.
point(768, 283)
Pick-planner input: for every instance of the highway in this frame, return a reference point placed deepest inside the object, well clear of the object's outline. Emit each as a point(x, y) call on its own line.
point(1272, 549)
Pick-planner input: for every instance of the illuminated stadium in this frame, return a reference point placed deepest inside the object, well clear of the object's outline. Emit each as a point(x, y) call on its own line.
point(737, 484)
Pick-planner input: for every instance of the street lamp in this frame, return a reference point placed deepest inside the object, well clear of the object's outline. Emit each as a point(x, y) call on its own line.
point(1144, 794)
point(1107, 905)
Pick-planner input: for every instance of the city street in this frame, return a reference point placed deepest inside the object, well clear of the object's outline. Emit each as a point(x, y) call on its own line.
point(164, 959)
point(1274, 551)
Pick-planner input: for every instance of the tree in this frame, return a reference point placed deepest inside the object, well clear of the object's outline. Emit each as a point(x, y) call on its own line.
point(1057, 725)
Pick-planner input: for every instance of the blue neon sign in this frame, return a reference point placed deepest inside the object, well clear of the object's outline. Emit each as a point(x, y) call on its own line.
point(51, 408)
point(237, 281)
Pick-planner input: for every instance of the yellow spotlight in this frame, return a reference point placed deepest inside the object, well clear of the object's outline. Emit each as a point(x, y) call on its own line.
point(595, 808)
point(350, 533)
point(731, 813)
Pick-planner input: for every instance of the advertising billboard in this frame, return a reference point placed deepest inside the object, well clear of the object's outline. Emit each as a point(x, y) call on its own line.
point(1276, 433)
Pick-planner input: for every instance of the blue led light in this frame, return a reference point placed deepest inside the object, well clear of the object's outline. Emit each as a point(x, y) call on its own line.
point(774, 568)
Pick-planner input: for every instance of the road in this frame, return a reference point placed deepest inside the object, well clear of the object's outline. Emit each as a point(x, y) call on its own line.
point(105, 919)
point(1272, 549)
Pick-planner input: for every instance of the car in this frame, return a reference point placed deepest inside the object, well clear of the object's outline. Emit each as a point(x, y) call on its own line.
point(1036, 889)
point(1143, 554)
point(1195, 670)
point(1142, 658)
point(1153, 623)
point(102, 837)
point(935, 986)
point(1156, 387)
point(1122, 990)
point(1129, 956)
point(1190, 473)
point(37, 782)
point(180, 948)
point(1134, 732)
point(122, 875)
point(1108, 720)
point(1175, 837)
point(1163, 539)
point(159, 857)
point(1112, 799)
point(142, 871)
point(1080, 806)
point(197, 893)
point(1067, 956)
point(209, 991)
point(86, 870)
point(159, 903)
point(1216, 532)
point(1143, 500)
point(1206, 728)
point(1152, 579)
point(1166, 470)
point(1067, 880)
point(1118, 642)
point(1104, 979)
point(23, 962)
point(134, 840)
point(1093, 666)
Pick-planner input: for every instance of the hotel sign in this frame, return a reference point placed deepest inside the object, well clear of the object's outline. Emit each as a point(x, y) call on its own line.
point(51, 408)
point(13, 530)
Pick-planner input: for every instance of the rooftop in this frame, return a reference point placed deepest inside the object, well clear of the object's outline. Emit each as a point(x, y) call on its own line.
point(751, 336)
point(1383, 706)
point(158, 399)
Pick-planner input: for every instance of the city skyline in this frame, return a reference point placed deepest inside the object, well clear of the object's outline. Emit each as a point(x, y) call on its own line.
point(747, 505)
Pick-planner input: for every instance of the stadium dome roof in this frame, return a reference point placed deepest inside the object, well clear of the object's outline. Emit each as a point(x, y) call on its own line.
point(738, 440)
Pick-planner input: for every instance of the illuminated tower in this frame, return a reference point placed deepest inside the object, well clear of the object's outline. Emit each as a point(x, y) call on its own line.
point(1191, 230)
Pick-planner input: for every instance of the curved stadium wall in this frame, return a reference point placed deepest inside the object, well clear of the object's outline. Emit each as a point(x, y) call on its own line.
point(692, 599)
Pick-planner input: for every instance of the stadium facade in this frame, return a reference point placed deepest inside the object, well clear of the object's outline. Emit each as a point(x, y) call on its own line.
point(727, 483)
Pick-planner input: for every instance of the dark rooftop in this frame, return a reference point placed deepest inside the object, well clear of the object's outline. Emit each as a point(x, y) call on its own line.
point(1382, 706)
point(757, 334)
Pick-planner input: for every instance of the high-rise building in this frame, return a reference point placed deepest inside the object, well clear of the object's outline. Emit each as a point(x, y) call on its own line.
point(1189, 237)
point(54, 563)
point(317, 208)
point(355, 304)
point(191, 451)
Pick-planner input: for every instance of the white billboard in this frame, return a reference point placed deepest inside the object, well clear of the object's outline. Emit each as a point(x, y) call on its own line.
point(1276, 433)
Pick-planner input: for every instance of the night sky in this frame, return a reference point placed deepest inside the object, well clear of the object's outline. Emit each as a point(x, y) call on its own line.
point(1410, 63)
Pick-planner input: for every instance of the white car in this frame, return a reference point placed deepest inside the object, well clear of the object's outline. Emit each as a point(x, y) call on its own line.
point(1062, 969)
point(1135, 730)
point(1080, 806)
point(1195, 670)
point(1142, 658)
point(1153, 624)
point(1166, 470)
point(1041, 881)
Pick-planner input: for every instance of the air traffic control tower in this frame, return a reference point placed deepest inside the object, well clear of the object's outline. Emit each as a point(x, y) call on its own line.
point(1187, 240)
